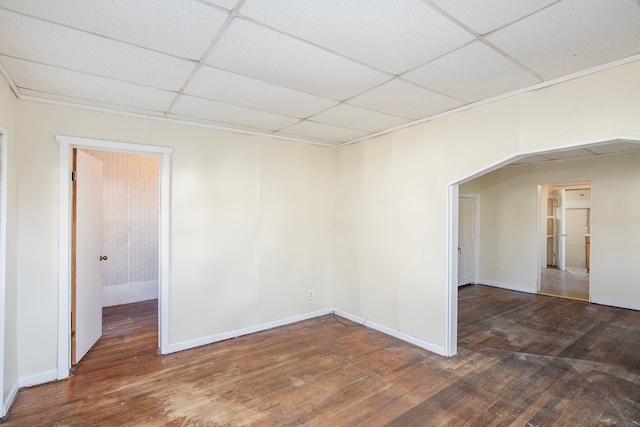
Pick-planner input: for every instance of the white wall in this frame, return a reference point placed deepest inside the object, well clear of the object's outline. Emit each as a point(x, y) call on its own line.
point(240, 206)
point(508, 236)
point(130, 230)
point(256, 222)
point(392, 192)
point(9, 122)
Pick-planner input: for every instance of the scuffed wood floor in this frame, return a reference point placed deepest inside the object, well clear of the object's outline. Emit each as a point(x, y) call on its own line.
point(523, 360)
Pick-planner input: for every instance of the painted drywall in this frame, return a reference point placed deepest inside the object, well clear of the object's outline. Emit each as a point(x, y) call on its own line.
point(229, 239)
point(130, 231)
point(508, 248)
point(9, 122)
point(248, 237)
point(392, 191)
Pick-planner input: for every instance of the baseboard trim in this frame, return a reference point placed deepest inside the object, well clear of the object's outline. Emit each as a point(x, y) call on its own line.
point(509, 286)
point(37, 379)
point(11, 397)
point(186, 345)
point(394, 333)
point(128, 293)
point(616, 303)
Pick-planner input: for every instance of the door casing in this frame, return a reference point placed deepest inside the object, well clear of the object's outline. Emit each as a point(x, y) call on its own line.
point(65, 145)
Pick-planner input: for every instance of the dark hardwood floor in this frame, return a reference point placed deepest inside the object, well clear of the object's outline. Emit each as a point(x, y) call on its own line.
point(524, 360)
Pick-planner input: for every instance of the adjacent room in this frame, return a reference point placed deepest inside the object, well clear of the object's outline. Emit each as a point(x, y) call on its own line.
point(282, 212)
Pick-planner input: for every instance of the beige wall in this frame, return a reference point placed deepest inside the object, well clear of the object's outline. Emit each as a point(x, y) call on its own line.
point(230, 194)
point(392, 199)
point(508, 231)
point(256, 223)
point(9, 122)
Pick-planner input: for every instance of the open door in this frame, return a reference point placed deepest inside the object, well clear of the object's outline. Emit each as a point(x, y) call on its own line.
point(466, 240)
point(561, 228)
point(86, 297)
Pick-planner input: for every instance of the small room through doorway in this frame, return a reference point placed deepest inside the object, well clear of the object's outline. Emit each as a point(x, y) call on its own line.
point(128, 198)
point(565, 237)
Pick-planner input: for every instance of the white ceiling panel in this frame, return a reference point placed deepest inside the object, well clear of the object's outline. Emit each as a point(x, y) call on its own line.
point(235, 89)
point(317, 70)
point(76, 50)
point(484, 16)
point(568, 154)
point(227, 4)
point(620, 147)
point(358, 118)
point(183, 28)
point(573, 35)
point(190, 106)
point(472, 73)
point(530, 159)
point(322, 132)
point(258, 52)
point(403, 99)
point(66, 83)
point(345, 27)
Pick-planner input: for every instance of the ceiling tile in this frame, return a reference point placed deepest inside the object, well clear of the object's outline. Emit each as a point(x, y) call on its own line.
point(60, 83)
point(227, 4)
point(322, 132)
point(393, 36)
point(183, 28)
point(530, 159)
point(568, 154)
point(235, 89)
point(404, 99)
point(358, 118)
point(484, 16)
point(40, 41)
point(255, 51)
point(190, 106)
point(472, 73)
point(573, 35)
point(619, 147)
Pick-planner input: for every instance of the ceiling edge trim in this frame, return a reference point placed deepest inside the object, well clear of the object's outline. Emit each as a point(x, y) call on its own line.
point(166, 119)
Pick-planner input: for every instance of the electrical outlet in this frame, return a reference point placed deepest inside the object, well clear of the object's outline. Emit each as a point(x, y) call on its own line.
point(310, 295)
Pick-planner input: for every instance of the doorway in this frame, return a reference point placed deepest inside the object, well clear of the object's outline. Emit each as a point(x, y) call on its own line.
point(114, 238)
point(565, 236)
point(66, 144)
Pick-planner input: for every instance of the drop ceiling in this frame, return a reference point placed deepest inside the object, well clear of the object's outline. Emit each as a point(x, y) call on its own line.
point(322, 71)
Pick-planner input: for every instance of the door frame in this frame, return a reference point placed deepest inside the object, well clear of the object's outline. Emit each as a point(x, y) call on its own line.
point(66, 144)
point(3, 261)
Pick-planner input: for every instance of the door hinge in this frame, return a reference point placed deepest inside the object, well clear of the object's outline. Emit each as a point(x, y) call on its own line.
point(74, 176)
point(73, 334)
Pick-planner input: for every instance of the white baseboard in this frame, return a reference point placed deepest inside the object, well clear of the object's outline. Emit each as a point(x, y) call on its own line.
point(509, 286)
point(10, 398)
point(185, 345)
point(392, 332)
point(615, 303)
point(37, 379)
point(129, 292)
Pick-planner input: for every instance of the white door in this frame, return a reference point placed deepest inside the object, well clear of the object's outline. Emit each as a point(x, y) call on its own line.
point(87, 301)
point(576, 223)
point(561, 228)
point(466, 240)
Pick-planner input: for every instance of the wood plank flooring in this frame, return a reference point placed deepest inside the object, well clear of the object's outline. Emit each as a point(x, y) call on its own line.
point(523, 360)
